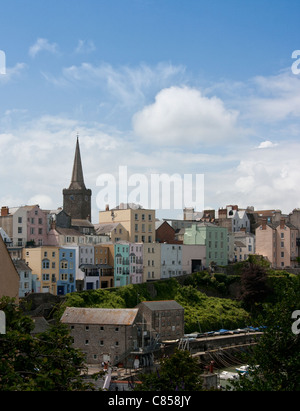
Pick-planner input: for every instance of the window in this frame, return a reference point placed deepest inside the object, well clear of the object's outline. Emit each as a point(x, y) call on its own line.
point(20, 220)
point(64, 264)
point(87, 328)
point(46, 264)
point(19, 230)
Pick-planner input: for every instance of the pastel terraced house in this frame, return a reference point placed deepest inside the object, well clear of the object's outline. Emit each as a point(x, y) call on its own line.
point(44, 262)
point(213, 237)
point(121, 266)
point(139, 222)
point(278, 243)
point(25, 225)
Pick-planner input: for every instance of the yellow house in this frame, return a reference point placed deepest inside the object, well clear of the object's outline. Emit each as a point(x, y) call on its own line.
point(152, 262)
point(44, 262)
point(139, 222)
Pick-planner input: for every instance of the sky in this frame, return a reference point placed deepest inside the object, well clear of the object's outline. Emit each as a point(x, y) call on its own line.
point(153, 88)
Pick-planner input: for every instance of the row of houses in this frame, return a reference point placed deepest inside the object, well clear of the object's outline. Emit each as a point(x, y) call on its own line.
point(60, 270)
point(64, 251)
point(90, 256)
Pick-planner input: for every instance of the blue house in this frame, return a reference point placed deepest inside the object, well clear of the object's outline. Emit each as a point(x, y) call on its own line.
point(67, 271)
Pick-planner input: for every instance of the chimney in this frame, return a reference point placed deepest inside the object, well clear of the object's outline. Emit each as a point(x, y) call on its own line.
point(264, 223)
point(4, 211)
point(107, 207)
point(282, 223)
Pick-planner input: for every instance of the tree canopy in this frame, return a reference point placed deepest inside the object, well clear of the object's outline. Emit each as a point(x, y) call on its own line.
point(179, 372)
point(39, 362)
point(275, 360)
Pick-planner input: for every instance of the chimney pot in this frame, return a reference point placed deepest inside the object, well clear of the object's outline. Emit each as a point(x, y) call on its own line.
point(4, 211)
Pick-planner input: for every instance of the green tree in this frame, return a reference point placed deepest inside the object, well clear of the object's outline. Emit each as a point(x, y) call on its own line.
point(179, 372)
point(275, 360)
point(42, 362)
point(254, 288)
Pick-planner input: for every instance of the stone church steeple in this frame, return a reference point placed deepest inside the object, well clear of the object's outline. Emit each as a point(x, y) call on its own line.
point(77, 198)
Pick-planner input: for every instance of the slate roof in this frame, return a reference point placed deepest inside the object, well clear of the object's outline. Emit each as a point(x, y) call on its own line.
point(162, 305)
point(103, 316)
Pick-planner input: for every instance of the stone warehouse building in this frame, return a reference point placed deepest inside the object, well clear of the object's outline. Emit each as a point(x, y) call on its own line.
point(124, 336)
point(104, 335)
point(164, 319)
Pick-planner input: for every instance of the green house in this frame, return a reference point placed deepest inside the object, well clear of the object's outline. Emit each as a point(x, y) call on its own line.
point(121, 269)
point(213, 237)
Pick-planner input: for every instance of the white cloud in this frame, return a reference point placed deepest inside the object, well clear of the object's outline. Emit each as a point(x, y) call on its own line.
point(85, 46)
point(267, 144)
point(182, 115)
point(12, 73)
point(262, 178)
point(42, 45)
point(44, 201)
point(128, 86)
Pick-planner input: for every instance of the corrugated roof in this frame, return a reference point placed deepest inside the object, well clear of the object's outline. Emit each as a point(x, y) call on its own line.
point(103, 316)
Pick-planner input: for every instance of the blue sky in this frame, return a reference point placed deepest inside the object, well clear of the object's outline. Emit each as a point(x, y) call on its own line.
point(160, 86)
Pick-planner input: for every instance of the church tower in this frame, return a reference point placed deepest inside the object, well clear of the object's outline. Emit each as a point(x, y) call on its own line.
point(77, 198)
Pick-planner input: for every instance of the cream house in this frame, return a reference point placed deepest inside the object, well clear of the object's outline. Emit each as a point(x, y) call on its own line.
point(139, 222)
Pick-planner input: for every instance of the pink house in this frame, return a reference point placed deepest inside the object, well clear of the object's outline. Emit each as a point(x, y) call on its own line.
point(136, 263)
point(278, 243)
point(37, 225)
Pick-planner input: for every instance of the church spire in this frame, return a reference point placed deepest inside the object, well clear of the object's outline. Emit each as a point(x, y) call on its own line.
point(77, 181)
